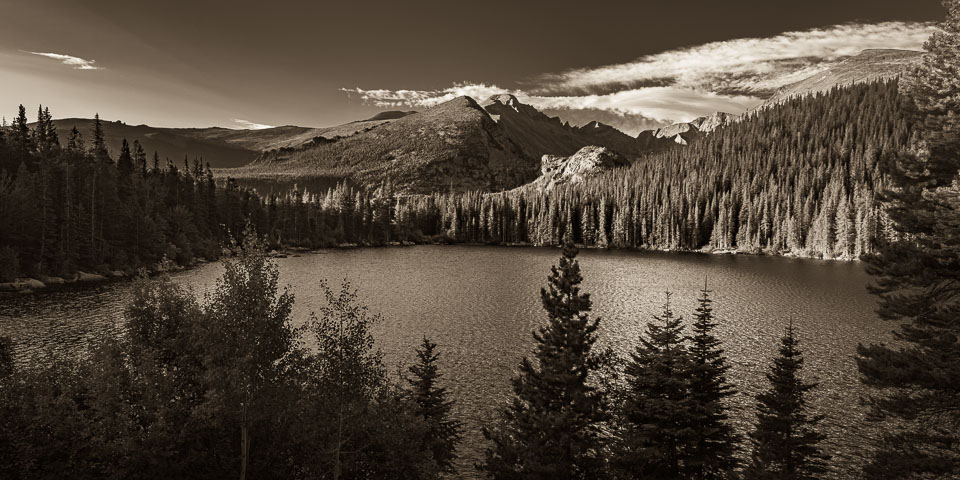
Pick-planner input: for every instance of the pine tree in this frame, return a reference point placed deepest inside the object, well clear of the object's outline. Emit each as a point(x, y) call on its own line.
point(714, 442)
point(21, 139)
point(785, 440)
point(552, 427)
point(444, 432)
point(917, 276)
point(125, 160)
point(99, 148)
point(656, 416)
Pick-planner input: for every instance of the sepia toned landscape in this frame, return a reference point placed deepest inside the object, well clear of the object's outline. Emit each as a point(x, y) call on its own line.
point(716, 240)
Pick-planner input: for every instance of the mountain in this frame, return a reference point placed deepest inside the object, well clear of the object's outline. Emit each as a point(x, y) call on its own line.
point(221, 147)
point(685, 132)
point(460, 144)
point(869, 65)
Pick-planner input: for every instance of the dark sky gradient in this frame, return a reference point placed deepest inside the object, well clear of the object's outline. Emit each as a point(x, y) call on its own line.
point(201, 63)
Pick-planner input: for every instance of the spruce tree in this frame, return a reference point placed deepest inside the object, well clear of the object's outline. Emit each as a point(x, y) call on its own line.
point(917, 277)
point(785, 439)
point(21, 139)
point(657, 413)
point(125, 160)
point(552, 428)
point(714, 441)
point(99, 147)
point(444, 431)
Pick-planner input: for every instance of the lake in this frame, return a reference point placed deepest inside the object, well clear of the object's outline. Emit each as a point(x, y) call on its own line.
point(481, 303)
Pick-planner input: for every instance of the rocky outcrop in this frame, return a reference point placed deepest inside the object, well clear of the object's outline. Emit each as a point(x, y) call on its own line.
point(712, 122)
point(587, 162)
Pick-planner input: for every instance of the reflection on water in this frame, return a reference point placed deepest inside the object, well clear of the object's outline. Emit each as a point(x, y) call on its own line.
point(481, 303)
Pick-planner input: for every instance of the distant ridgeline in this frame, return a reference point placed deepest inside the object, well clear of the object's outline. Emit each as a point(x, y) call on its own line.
point(797, 178)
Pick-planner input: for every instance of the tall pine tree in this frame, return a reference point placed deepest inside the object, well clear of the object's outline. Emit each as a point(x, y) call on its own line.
point(552, 429)
point(657, 413)
point(917, 278)
point(444, 431)
point(714, 441)
point(785, 439)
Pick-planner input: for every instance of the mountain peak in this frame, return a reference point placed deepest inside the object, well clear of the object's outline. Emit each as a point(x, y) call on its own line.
point(505, 98)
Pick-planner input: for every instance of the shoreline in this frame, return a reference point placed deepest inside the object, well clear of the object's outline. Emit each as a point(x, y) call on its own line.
point(41, 283)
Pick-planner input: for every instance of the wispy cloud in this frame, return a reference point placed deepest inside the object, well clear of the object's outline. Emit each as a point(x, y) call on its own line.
point(747, 65)
point(682, 84)
point(250, 125)
point(76, 62)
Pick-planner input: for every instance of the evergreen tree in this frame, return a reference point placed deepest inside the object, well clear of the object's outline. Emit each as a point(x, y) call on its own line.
point(785, 440)
point(917, 275)
point(714, 442)
point(99, 148)
point(552, 429)
point(433, 406)
point(125, 160)
point(657, 412)
point(21, 139)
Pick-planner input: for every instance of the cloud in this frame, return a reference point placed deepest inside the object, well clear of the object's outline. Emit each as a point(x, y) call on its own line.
point(425, 98)
point(250, 125)
point(682, 84)
point(746, 65)
point(76, 62)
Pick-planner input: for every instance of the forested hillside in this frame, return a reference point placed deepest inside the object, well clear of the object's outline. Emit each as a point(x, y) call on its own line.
point(798, 179)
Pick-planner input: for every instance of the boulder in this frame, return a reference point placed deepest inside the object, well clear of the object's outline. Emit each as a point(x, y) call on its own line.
point(89, 277)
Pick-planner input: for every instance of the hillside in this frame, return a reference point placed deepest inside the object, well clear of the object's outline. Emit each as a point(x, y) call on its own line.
point(869, 65)
point(459, 144)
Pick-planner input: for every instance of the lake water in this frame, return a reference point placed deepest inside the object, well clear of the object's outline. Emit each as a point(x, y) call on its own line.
point(481, 303)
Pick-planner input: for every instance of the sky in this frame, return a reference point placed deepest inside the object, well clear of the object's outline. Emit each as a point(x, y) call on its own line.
point(254, 64)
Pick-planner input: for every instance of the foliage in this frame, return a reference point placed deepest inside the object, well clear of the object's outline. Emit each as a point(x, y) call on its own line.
point(713, 447)
point(217, 388)
point(916, 272)
point(552, 428)
point(785, 439)
point(656, 428)
point(434, 406)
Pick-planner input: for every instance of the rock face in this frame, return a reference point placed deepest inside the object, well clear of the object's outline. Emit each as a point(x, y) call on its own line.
point(587, 162)
point(714, 121)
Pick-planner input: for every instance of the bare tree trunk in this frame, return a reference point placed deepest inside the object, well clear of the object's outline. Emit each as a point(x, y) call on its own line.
point(336, 460)
point(244, 448)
